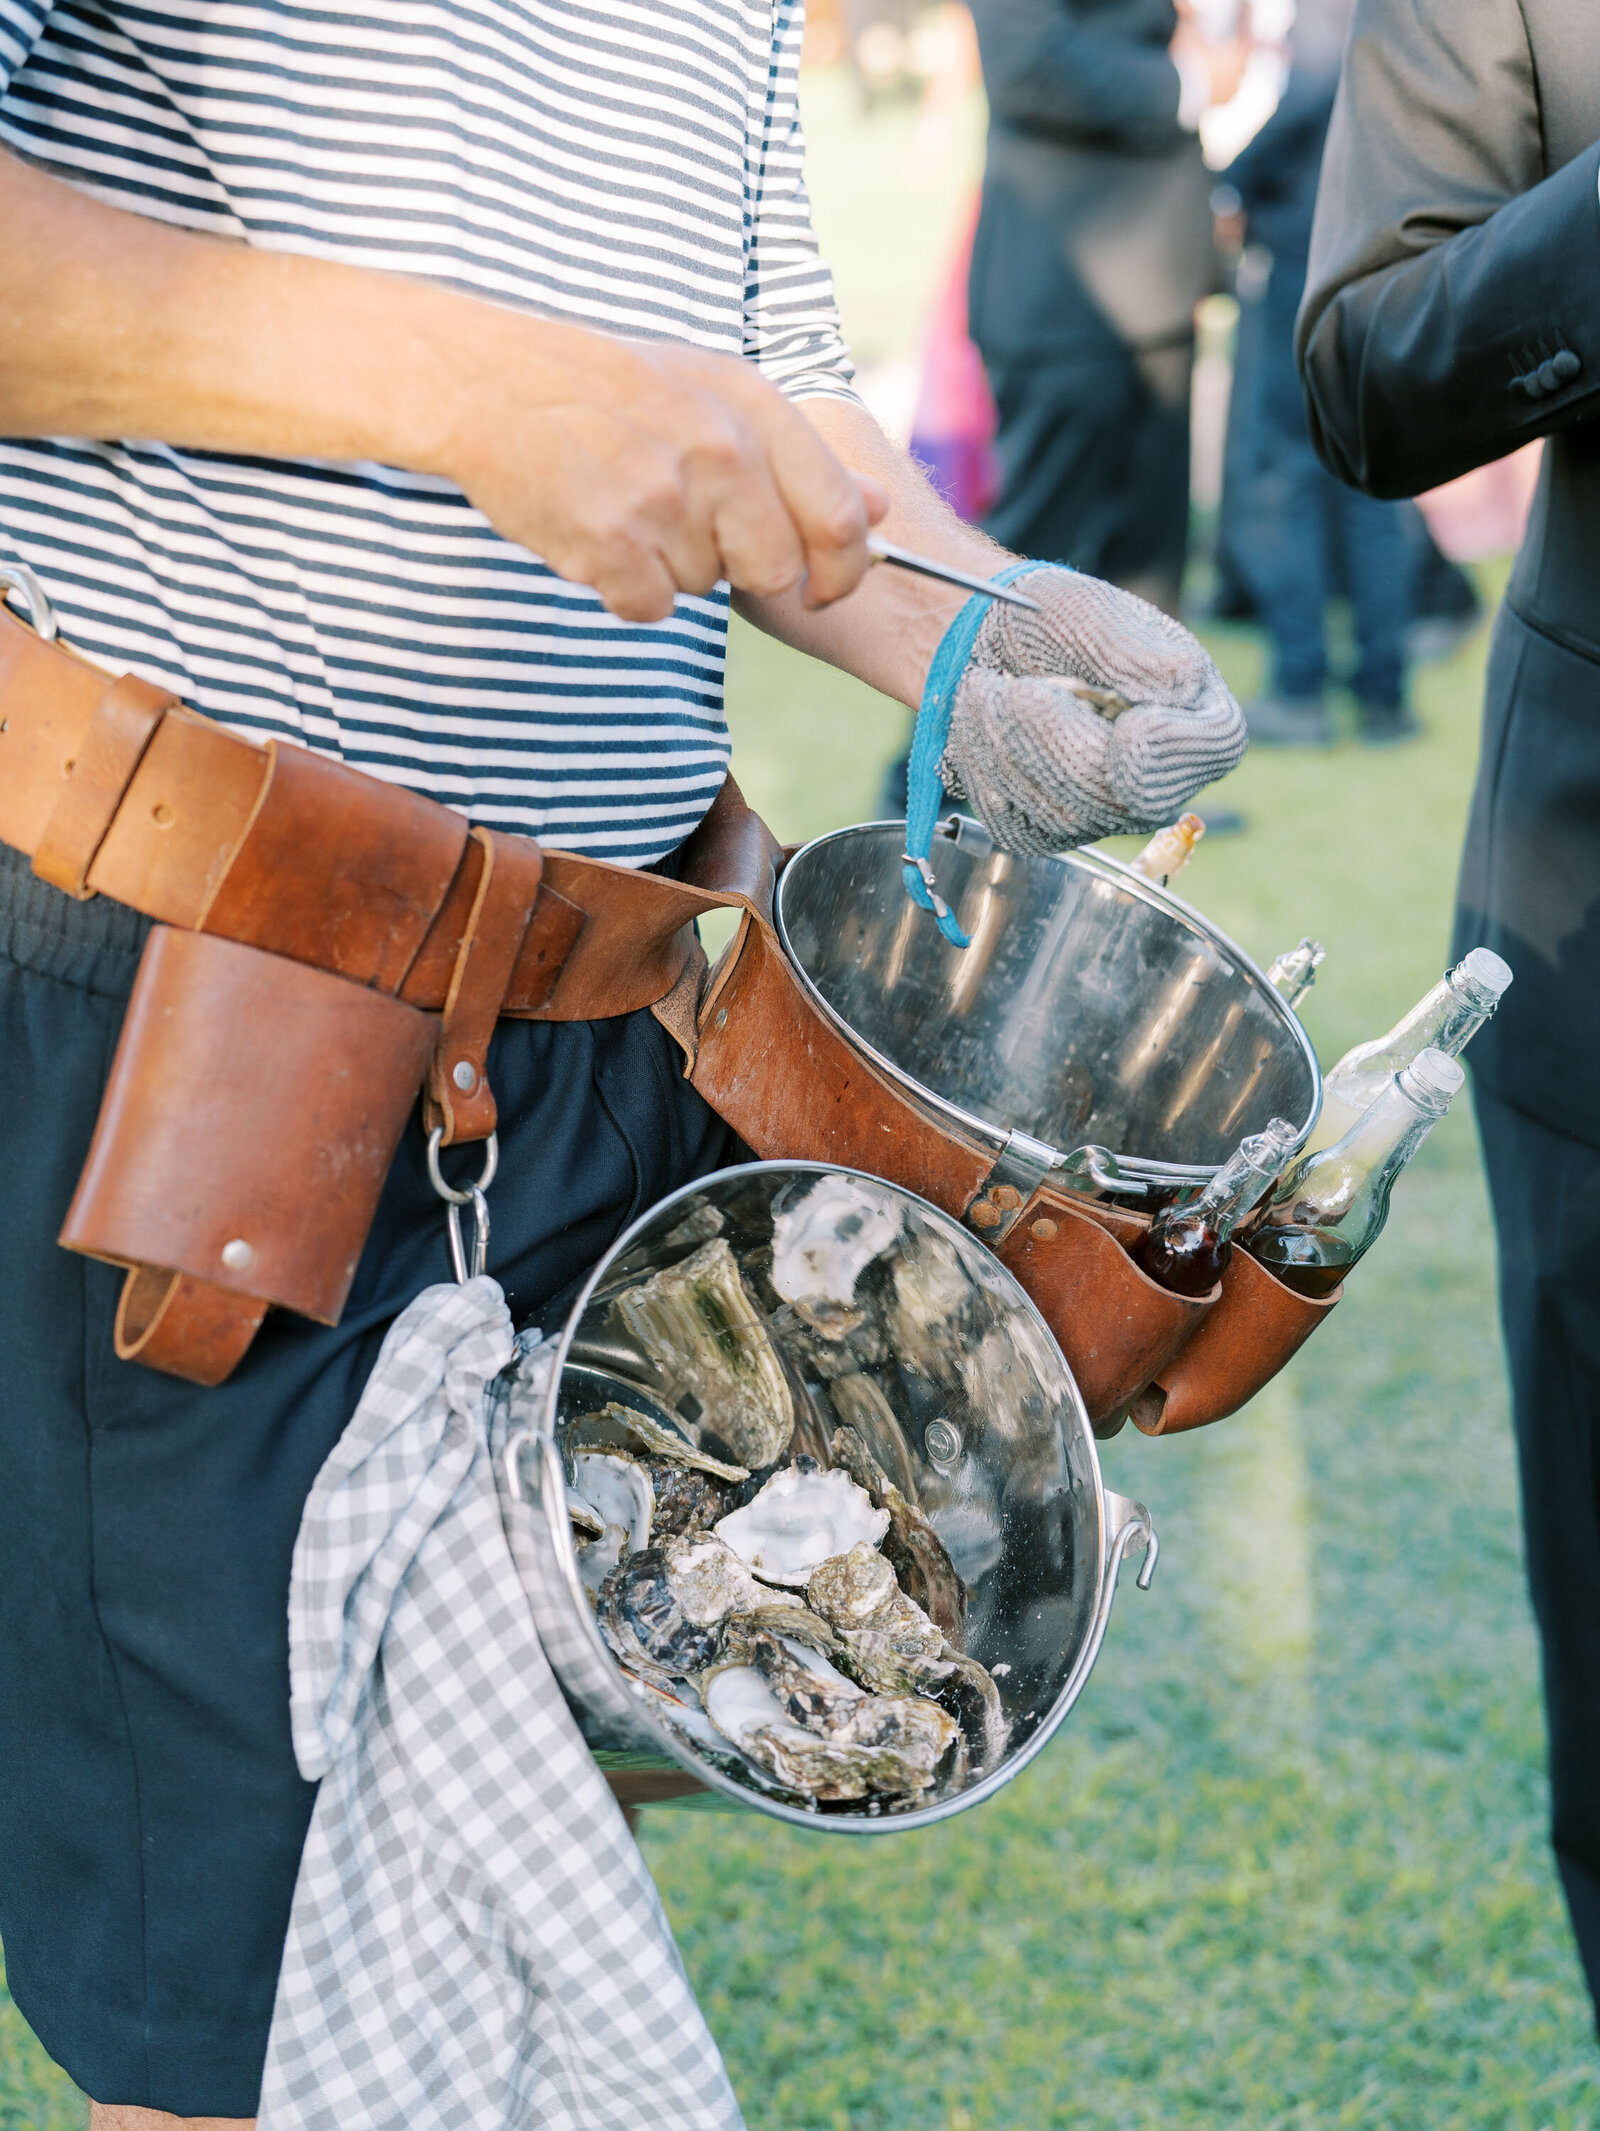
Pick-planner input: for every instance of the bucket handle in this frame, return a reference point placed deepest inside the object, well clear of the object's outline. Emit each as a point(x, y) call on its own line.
point(1128, 1525)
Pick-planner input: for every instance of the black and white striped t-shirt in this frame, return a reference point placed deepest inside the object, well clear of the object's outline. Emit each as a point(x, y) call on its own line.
point(629, 164)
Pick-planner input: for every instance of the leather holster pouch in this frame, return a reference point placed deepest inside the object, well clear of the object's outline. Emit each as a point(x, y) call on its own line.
point(252, 1112)
point(1256, 1327)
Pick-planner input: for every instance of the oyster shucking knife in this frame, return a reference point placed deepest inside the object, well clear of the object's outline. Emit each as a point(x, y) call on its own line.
point(882, 550)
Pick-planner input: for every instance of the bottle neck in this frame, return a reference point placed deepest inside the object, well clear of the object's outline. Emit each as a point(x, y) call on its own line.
point(1378, 1145)
point(1447, 1017)
point(1236, 1187)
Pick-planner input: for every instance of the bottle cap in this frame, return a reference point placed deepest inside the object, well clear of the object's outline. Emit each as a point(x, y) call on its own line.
point(1487, 968)
point(1433, 1074)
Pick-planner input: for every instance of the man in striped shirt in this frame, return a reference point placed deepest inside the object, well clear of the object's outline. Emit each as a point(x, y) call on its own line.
point(409, 381)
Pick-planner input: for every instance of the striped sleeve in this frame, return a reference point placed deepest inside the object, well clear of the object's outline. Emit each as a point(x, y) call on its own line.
point(20, 24)
point(791, 321)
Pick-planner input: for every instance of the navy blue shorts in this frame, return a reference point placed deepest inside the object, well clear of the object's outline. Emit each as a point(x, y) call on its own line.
point(151, 1816)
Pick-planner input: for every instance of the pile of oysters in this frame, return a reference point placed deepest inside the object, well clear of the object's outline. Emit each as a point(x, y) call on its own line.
point(760, 1577)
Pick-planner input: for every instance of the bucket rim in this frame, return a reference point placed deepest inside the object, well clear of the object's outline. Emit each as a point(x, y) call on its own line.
point(1116, 1521)
point(1141, 1171)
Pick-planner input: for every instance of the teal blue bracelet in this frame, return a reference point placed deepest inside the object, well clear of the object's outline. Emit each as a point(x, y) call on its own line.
point(924, 791)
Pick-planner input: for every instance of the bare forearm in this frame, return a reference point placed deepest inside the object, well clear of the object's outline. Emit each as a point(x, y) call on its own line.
point(888, 629)
point(118, 326)
point(640, 470)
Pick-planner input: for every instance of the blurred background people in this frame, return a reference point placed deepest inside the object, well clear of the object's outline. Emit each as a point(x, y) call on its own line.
point(1452, 314)
point(1293, 525)
point(1093, 245)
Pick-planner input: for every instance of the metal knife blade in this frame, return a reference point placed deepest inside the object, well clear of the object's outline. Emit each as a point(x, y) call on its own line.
point(882, 550)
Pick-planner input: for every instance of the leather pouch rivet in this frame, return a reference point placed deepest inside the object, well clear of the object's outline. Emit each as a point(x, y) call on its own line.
point(464, 1076)
point(1044, 1229)
point(237, 1255)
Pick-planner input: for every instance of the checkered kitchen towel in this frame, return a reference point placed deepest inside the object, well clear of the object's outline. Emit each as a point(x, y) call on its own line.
point(475, 1943)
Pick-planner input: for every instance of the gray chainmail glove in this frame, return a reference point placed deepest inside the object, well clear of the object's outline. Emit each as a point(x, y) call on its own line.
point(1043, 768)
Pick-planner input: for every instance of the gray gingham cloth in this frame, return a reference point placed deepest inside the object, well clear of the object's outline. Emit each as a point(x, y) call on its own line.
point(475, 1943)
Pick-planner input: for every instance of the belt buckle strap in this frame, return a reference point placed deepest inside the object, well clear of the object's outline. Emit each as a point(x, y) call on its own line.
point(125, 722)
point(459, 1104)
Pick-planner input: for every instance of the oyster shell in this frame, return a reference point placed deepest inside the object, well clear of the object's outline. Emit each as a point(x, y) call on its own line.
point(617, 1490)
point(687, 1500)
point(875, 1745)
point(823, 1243)
point(798, 1519)
point(860, 1403)
point(661, 1610)
point(886, 1641)
point(697, 1321)
point(615, 1423)
point(584, 1519)
point(925, 1570)
point(928, 1318)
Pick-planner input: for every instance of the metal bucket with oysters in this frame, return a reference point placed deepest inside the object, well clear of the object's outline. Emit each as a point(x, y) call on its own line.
point(817, 1511)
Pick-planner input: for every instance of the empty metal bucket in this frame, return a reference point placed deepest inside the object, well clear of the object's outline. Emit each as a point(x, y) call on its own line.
point(1092, 1011)
point(945, 1368)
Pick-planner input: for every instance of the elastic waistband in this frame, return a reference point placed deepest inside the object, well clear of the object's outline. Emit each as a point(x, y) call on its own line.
point(94, 945)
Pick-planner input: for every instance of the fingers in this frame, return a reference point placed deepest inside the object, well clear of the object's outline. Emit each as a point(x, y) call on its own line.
point(657, 470)
point(826, 504)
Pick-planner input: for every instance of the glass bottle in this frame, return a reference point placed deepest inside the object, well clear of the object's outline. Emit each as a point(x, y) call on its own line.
point(1170, 849)
point(1332, 1202)
point(1448, 1018)
point(1295, 970)
point(1188, 1244)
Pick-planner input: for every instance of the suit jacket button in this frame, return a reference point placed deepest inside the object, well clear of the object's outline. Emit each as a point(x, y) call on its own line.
point(1546, 378)
point(1565, 365)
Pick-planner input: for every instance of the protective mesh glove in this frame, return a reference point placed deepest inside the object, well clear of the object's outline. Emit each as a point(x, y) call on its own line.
point(1044, 769)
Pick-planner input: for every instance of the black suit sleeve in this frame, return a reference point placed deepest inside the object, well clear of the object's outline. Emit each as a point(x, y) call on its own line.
point(1452, 310)
point(1045, 71)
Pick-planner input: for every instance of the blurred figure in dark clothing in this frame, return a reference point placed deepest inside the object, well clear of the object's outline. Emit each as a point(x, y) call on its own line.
point(1094, 244)
point(1295, 527)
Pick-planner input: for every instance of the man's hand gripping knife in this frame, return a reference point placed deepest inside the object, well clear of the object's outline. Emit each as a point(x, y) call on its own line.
point(1023, 718)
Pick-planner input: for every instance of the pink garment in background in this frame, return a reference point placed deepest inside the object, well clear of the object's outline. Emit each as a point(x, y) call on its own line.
point(952, 432)
point(1485, 512)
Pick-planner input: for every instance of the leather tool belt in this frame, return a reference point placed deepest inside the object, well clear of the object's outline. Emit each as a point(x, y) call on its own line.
point(326, 945)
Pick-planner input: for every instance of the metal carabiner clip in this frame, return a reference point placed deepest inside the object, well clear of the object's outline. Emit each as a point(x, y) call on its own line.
point(472, 1196)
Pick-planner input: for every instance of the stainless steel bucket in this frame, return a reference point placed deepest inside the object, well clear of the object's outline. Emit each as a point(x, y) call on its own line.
point(970, 1409)
point(1093, 1012)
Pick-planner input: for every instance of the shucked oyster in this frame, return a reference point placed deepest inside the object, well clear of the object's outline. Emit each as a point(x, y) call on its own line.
point(617, 1492)
point(798, 1519)
point(697, 1322)
point(887, 1642)
point(661, 1609)
point(822, 1243)
point(915, 1549)
point(617, 1489)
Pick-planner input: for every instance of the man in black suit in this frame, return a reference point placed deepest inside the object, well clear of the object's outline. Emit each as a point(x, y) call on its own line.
point(1093, 246)
point(1452, 313)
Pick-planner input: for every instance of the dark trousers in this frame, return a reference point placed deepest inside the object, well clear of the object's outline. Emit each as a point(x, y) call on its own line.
point(1296, 532)
point(1094, 461)
point(1545, 1187)
point(151, 1813)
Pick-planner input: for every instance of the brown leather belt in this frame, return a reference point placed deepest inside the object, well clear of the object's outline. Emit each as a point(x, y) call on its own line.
point(311, 919)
